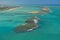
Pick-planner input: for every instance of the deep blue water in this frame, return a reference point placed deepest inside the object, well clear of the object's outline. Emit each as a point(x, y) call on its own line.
point(49, 24)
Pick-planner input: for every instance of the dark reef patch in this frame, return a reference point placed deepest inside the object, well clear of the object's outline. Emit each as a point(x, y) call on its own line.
point(29, 25)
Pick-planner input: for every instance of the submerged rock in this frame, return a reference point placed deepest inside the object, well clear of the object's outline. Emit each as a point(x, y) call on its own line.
point(29, 25)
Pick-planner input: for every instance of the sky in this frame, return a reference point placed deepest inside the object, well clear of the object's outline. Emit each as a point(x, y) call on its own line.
point(29, 1)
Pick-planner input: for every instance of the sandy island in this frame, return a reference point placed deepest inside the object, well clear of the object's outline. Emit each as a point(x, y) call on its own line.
point(43, 10)
point(9, 8)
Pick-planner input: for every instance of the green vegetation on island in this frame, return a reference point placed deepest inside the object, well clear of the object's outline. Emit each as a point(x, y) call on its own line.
point(28, 26)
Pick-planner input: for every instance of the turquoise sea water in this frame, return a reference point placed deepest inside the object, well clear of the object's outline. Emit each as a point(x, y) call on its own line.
point(49, 24)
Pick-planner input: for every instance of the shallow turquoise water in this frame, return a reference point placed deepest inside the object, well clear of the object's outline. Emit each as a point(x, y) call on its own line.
point(49, 24)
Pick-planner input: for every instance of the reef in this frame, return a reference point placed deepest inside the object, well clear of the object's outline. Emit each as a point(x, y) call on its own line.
point(2, 8)
point(29, 25)
point(43, 10)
